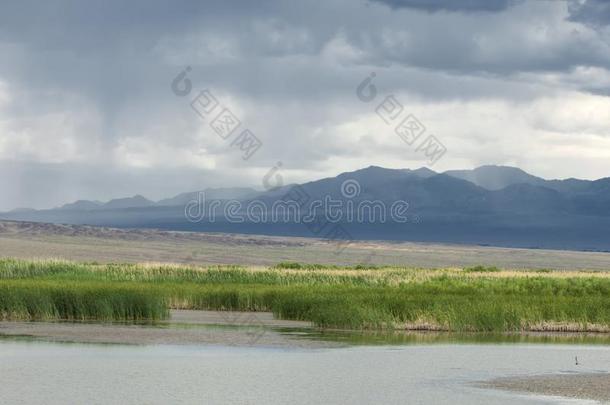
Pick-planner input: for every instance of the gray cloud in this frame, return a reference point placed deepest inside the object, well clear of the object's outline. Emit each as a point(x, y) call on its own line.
point(449, 5)
point(50, 185)
point(595, 13)
point(85, 96)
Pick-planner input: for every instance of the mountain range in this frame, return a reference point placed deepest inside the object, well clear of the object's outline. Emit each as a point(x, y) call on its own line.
point(489, 205)
point(141, 201)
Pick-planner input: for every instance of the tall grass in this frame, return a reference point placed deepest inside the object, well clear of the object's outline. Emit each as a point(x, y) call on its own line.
point(482, 269)
point(476, 299)
point(447, 306)
point(43, 300)
point(62, 270)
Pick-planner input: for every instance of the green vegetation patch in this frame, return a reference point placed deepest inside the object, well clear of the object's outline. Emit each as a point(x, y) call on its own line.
point(48, 300)
point(346, 297)
point(482, 269)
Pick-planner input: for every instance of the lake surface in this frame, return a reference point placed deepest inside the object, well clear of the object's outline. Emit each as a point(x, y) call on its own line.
point(36, 372)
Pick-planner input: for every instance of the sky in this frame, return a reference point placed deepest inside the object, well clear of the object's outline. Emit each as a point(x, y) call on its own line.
point(92, 105)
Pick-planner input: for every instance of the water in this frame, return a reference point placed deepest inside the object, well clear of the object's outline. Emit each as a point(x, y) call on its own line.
point(36, 372)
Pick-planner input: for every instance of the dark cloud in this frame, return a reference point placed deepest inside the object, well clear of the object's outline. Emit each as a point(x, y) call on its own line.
point(451, 5)
point(595, 13)
point(90, 82)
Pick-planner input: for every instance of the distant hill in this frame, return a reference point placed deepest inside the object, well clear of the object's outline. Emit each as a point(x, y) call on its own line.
point(129, 202)
point(496, 177)
point(500, 177)
point(489, 205)
point(21, 210)
point(139, 201)
point(81, 205)
point(236, 193)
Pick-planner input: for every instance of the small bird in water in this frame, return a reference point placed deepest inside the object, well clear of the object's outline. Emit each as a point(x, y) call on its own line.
point(576, 357)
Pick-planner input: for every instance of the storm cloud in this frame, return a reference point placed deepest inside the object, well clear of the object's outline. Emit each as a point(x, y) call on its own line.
point(87, 109)
point(465, 5)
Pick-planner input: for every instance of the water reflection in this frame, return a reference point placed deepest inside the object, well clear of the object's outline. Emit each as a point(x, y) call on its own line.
point(374, 338)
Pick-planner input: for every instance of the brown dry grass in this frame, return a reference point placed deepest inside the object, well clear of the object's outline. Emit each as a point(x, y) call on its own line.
point(83, 243)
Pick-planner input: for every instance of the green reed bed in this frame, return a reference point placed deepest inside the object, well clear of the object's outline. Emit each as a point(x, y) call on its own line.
point(476, 299)
point(450, 307)
point(48, 300)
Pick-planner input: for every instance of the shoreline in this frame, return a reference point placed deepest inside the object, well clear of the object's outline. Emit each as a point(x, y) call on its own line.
point(585, 386)
point(238, 328)
point(230, 328)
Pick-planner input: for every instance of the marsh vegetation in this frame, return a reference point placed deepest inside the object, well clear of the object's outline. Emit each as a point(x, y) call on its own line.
point(357, 297)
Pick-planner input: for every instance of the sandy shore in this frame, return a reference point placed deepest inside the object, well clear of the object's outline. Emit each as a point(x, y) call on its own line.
point(578, 386)
point(184, 327)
